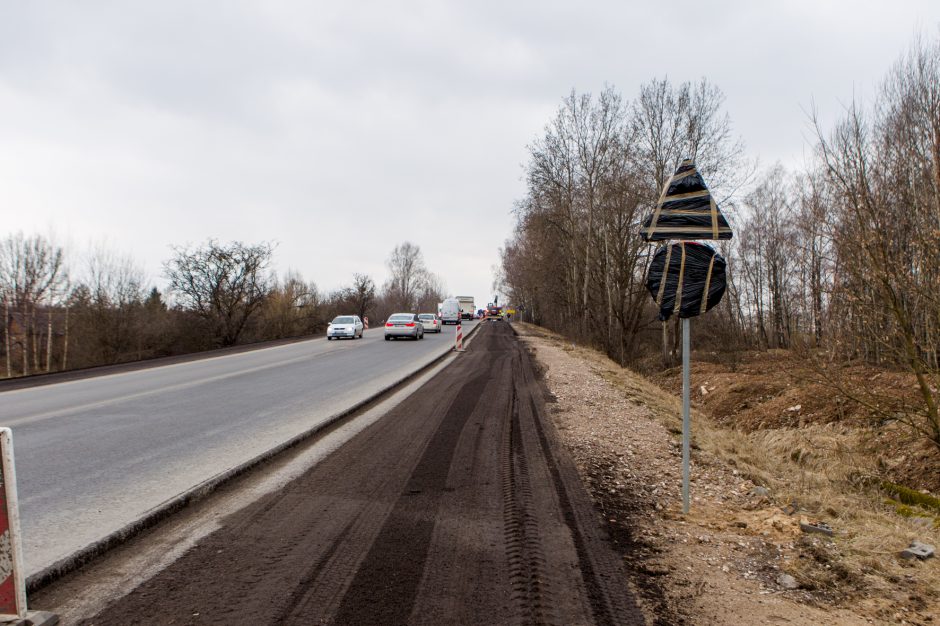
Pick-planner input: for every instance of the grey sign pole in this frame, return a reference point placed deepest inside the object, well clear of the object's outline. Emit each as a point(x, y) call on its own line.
point(686, 418)
point(686, 211)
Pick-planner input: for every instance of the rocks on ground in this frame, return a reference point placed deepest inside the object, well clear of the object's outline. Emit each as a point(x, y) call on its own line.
point(736, 557)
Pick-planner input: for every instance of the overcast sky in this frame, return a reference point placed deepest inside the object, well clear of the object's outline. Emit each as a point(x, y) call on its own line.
point(339, 129)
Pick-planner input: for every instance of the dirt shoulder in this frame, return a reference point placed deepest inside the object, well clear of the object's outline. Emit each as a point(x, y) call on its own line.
point(740, 556)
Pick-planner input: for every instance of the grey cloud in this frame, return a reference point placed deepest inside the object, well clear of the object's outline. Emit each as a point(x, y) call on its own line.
point(159, 123)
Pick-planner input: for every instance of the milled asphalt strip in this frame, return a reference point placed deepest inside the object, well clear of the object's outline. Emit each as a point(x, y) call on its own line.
point(160, 512)
point(114, 575)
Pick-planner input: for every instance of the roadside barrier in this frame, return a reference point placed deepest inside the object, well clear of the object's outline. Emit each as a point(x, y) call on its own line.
point(12, 582)
point(365, 323)
point(459, 340)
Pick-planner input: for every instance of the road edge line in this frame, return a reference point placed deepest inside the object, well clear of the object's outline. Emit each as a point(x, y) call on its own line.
point(154, 516)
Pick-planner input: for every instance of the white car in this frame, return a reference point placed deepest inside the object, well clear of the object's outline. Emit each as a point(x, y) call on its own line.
point(430, 322)
point(403, 325)
point(345, 326)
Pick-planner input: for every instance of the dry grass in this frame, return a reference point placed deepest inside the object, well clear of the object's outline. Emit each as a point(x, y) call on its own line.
point(826, 468)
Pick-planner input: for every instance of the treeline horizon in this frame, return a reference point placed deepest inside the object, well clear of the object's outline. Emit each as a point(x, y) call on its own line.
point(839, 259)
point(57, 318)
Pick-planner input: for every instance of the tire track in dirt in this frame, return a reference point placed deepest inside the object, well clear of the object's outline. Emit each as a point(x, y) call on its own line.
point(601, 569)
point(385, 587)
point(531, 585)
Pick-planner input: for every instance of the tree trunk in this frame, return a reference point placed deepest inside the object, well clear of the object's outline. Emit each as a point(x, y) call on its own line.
point(49, 342)
point(610, 299)
point(6, 333)
point(25, 344)
point(667, 346)
point(587, 270)
point(816, 294)
point(65, 347)
point(676, 339)
point(34, 338)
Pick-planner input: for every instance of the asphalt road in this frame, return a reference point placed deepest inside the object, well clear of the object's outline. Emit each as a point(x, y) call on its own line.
point(457, 506)
point(94, 455)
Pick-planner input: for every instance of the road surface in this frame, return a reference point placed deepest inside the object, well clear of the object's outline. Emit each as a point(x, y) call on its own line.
point(456, 507)
point(94, 455)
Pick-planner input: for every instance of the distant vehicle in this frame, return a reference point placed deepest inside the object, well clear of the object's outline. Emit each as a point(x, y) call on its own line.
point(494, 312)
point(403, 325)
point(430, 322)
point(450, 311)
point(345, 326)
point(466, 307)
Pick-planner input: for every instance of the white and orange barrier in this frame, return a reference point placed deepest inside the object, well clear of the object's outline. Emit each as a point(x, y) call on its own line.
point(12, 580)
point(458, 347)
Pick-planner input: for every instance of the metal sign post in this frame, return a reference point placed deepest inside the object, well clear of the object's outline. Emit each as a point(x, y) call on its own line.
point(686, 416)
point(686, 278)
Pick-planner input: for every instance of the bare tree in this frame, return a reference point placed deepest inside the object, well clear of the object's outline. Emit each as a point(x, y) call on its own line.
point(687, 121)
point(361, 295)
point(111, 320)
point(223, 284)
point(814, 256)
point(768, 255)
point(432, 292)
point(575, 261)
point(843, 256)
point(291, 309)
point(883, 169)
point(408, 276)
point(32, 273)
point(673, 123)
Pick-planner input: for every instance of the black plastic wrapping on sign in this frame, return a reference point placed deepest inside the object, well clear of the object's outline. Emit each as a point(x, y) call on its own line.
point(692, 269)
point(686, 210)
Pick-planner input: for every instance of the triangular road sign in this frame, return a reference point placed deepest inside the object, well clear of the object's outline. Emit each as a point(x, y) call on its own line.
point(686, 210)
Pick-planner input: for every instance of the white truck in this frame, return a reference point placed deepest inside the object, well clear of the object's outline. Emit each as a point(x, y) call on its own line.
point(450, 311)
point(467, 308)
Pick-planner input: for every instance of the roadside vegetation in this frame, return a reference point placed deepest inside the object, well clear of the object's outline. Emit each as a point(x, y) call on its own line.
point(826, 344)
point(64, 310)
point(761, 467)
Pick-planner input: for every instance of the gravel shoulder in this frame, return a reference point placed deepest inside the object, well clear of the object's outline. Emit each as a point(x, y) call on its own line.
point(724, 563)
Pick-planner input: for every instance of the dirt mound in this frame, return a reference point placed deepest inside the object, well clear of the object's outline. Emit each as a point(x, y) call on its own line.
point(779, 389)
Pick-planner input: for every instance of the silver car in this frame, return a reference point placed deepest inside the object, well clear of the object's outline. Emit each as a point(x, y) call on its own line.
point(430, 322)
point(345, 326)
point(403, 325)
